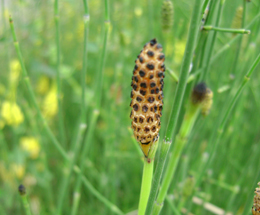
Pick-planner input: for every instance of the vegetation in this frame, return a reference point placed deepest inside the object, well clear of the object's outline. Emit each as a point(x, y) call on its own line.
point(66, 142)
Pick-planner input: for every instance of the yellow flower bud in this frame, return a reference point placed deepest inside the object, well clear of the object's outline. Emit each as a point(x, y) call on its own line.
point(11, 113)
point(31, 146)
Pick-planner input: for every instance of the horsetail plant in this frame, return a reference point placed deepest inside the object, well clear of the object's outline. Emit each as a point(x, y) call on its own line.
point(178, 100)
point(167, 15)
point(147, 104)
point(47, 129)
point(22, 191)
point(201, 100)
point(58, 62)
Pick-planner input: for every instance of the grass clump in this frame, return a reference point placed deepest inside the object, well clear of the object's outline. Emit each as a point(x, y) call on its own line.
point(65, 78)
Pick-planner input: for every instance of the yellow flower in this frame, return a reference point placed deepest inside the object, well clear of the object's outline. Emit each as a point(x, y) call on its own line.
point(138, 11)
point(50, 103)
point(15, 70)
point(43, 85)
point(18, 170)
point(11, 113)
point(30, 145)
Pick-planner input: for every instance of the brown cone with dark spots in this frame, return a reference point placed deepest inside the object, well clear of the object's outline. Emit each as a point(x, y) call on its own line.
point(147, 95)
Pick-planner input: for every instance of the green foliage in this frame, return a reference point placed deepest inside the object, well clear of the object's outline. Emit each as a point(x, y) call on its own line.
point(112, 166)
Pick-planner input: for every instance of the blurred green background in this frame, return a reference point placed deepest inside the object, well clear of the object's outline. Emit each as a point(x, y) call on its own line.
point(113, 165)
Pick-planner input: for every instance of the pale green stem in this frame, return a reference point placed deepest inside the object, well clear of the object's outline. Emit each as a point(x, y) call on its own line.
point(100, 197)
point(84, 66)
point(228, 45)
point(209, 49)
point(32, 96)
point(96, 111)
point(172, 206)
point(26, 204)
point(224, 120)
point(57, 38)
point(76, 197)
point(146, 185)
point(226, 30)
point(41, 118)
point(77, 186)
point(66, 177)
point(180, 142)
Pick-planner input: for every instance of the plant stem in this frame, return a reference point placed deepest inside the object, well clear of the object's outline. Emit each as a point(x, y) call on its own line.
point(66, 178)
point(239, 44)
point(41, 118)
point(228, 45)
point(25, 202)
point(77, 187)
point(180, 142)
point(32, 96)
point(89, 186)
point(146, 185)
point(84, 66)
point(192, 37)
point(174, 209)
point(224, 120)
point(81, 125)
point(227, 30)
point(206, 61)
point(57, 38)
point(96, 111)
point(26, 205)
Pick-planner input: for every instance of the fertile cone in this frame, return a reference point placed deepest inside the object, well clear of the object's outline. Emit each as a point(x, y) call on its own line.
point(147, 95)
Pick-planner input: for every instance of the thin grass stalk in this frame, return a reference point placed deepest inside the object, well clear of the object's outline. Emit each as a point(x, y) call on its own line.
point(81, 125)
point(32, 96)
point(35, 131)
point(211, 47)
point(229, 44)
point(239, 44)
point(200, 51)
point(82, 119)
point(77, 187)
point(178, 99)
point(179, 144)
point(172, 206)
point(101, 198)
point(84, 66)
point(57, 39)
point(26, 205)
point(66, 177)
point(5, 34)
point(96, 111)
point(224, 121)
point(25, 201)
point(226, 30)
